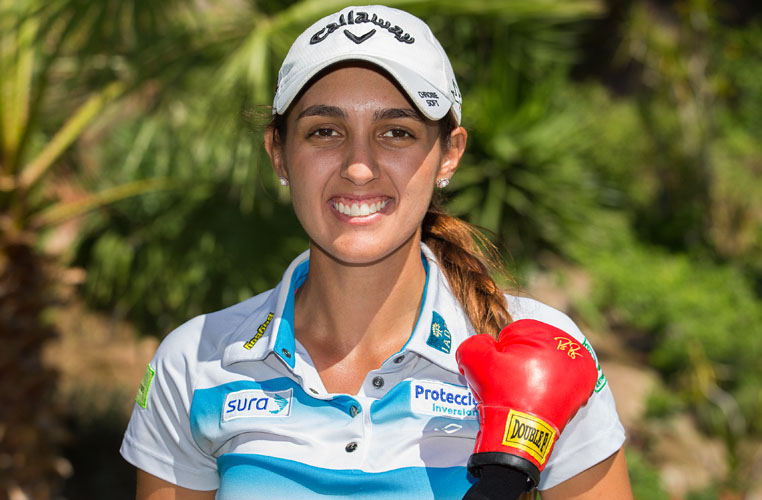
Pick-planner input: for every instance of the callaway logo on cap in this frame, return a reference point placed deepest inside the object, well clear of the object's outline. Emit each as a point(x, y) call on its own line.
point(396, 41)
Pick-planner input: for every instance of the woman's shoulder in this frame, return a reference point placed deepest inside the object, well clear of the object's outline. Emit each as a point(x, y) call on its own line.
point(522, 307)
point(205, 336)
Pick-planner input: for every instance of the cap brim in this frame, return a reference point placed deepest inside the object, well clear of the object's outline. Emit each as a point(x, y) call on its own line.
point(431, 101)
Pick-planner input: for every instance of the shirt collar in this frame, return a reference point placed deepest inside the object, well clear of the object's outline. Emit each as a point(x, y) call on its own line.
point(271, 327)
point(441, 326)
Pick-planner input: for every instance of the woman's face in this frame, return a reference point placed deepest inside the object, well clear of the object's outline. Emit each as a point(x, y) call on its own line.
point(362, 164)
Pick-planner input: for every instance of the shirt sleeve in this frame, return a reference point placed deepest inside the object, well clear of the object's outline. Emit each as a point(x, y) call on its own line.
point(158, 439)
point(595, 433)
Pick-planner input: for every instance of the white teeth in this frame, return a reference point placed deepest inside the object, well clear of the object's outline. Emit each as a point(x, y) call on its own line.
point(361, 209)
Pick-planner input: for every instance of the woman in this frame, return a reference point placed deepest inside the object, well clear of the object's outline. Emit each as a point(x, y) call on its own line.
point(318, 387)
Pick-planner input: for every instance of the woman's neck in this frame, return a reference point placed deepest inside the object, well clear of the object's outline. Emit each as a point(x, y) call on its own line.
point(351, 318)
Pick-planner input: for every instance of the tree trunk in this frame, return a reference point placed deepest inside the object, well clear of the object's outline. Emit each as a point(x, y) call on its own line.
point(30, 429)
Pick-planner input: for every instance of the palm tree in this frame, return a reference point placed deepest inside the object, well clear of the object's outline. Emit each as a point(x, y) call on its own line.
point(30, 421)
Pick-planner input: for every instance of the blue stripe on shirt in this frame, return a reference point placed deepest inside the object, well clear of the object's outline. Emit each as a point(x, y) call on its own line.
point(246, 477)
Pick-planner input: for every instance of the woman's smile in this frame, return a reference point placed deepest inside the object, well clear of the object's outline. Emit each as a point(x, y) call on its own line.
point(354, 209)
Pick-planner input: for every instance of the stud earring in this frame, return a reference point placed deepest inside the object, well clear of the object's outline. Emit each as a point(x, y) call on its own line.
point(443, 182)
point(283, 181)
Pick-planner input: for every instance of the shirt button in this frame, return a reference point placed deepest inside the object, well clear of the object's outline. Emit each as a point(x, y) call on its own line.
point(350, 447)
point(353, 411)
point(285, 352)
point(399, 359)
point(378, 382)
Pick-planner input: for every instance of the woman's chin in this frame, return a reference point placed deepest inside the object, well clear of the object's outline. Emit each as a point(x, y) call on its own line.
point(362, 251)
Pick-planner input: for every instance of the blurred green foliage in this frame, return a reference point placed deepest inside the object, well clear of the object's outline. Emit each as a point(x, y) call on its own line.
point(646, 484)
point(623, 137)
point(162, 258)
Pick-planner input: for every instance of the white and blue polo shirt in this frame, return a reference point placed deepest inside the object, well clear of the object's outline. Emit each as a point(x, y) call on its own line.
point(232, 402)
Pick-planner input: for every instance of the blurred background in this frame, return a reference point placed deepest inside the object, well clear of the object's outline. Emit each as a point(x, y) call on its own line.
point(614, 154)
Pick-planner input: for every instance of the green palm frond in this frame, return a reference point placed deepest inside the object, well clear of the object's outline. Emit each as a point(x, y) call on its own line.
point(62, 211)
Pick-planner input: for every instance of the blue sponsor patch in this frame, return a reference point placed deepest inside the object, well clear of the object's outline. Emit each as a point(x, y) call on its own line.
point(442, 400)
point(439, 337)
point(256, 403)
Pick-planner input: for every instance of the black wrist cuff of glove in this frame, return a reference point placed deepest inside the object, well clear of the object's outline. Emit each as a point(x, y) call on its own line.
point(478, 461)
point(498, 482)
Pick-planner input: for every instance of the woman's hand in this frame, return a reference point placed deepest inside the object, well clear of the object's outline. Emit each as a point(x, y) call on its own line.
point(551, 376)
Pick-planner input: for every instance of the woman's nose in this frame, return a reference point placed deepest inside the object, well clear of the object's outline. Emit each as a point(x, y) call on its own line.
point(360, 165)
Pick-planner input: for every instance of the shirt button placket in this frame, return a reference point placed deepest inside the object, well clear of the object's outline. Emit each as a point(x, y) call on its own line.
point(354, 410)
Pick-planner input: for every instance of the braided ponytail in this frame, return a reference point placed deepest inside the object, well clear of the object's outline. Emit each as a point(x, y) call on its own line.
point(466, 256)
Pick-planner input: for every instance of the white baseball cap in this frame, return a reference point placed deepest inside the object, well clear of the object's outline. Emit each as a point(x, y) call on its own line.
point(392, 39)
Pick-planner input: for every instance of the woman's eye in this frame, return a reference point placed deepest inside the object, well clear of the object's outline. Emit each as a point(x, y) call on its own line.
point(324, 132)
point(397, 133)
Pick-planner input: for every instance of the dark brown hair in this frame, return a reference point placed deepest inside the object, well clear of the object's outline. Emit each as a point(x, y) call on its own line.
point(467, 258)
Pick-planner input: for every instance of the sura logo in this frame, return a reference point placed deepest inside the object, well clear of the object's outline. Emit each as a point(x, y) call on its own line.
point(256, 403)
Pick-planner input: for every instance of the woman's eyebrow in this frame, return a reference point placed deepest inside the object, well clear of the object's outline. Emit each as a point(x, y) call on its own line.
point(322, 110)
point(336, 112)
point(397, 113)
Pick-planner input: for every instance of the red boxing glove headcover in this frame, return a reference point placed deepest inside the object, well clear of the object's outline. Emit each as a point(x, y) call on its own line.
point(528, 385)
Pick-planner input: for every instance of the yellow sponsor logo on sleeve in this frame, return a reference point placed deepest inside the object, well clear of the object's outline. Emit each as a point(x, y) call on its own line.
point(530, 434)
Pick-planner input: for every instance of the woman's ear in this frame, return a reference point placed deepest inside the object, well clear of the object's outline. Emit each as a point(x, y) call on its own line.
point(274, 148)
point(452, 153)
